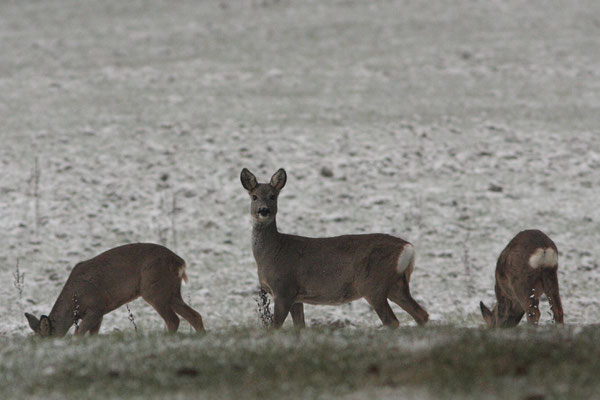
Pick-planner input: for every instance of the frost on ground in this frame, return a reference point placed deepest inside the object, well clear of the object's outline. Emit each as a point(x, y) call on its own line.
point(452, 127)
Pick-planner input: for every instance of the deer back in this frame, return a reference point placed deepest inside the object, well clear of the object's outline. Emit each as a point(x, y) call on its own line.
point(120, 275)
point(530, 249)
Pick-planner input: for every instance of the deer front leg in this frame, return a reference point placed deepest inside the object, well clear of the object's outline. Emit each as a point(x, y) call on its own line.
point(95, 329)
point(90, 322)
point(297, 312)
point(550, 284)
point(281, 310)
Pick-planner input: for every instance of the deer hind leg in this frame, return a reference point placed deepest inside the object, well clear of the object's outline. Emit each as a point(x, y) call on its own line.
point(161, 301)
point(297, 311)
point(89, 323)
point(383, 310)
point(187, 312)
point(168, 315)
point(550, 284)
point(400, 294)
point(159, 286)
point(533, 313)
point(529, 300)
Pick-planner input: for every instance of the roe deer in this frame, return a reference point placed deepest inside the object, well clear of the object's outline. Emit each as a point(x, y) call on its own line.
point(334, 270)
point(526, 268)
point(98, 286)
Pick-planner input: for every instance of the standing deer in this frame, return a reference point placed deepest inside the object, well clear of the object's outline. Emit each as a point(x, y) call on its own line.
point(526, 268)
point(334, 270)
point(100, 285)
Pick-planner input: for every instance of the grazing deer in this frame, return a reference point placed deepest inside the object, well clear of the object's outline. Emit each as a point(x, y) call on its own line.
point(100, 285)
point(526, 269)
point(334, 270)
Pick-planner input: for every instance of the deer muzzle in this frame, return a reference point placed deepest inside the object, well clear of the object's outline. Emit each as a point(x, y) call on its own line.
point(264, 212)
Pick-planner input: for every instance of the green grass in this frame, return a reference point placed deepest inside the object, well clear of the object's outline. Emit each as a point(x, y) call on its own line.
point(438, 361)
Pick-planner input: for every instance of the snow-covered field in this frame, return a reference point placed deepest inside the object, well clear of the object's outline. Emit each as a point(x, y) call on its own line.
point(452, 125)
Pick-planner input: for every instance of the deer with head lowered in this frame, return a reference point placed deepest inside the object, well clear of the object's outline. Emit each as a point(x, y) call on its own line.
point(526, 269)
point(335, 270)
point(100, 285)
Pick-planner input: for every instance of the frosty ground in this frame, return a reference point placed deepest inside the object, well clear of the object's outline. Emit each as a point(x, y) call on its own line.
point(453, 126)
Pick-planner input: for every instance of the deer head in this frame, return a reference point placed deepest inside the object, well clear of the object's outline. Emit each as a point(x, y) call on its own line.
point(263, 206)
point(500, 317)
point(489, 316)
point(41, 327)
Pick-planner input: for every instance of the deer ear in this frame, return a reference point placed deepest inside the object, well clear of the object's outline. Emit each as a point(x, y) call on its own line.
point(34, 323)
point(248, 180)
point(487, 314)
point(278, 179)
point(45, 326)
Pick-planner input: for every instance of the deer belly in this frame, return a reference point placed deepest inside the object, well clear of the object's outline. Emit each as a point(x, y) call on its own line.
point(115, 303)
point(329, 296)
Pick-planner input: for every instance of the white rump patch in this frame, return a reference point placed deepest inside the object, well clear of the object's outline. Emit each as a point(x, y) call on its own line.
point(543, 258)
point(406, 258)
point(181, 273)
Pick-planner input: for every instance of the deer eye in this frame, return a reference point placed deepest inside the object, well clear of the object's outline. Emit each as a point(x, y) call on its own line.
point(254, 197)
point(272, 197)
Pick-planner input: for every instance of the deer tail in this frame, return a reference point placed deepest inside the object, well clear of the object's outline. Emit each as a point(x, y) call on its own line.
point(181, 272)
point(406, 260)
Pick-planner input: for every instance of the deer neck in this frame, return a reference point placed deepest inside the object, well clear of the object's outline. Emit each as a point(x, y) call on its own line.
point(265, 240)
point(62, 315)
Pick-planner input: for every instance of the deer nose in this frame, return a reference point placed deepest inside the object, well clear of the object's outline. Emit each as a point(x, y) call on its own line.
point(264, 211)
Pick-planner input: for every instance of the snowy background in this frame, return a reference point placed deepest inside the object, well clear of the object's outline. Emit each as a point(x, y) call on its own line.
point(451, 125)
